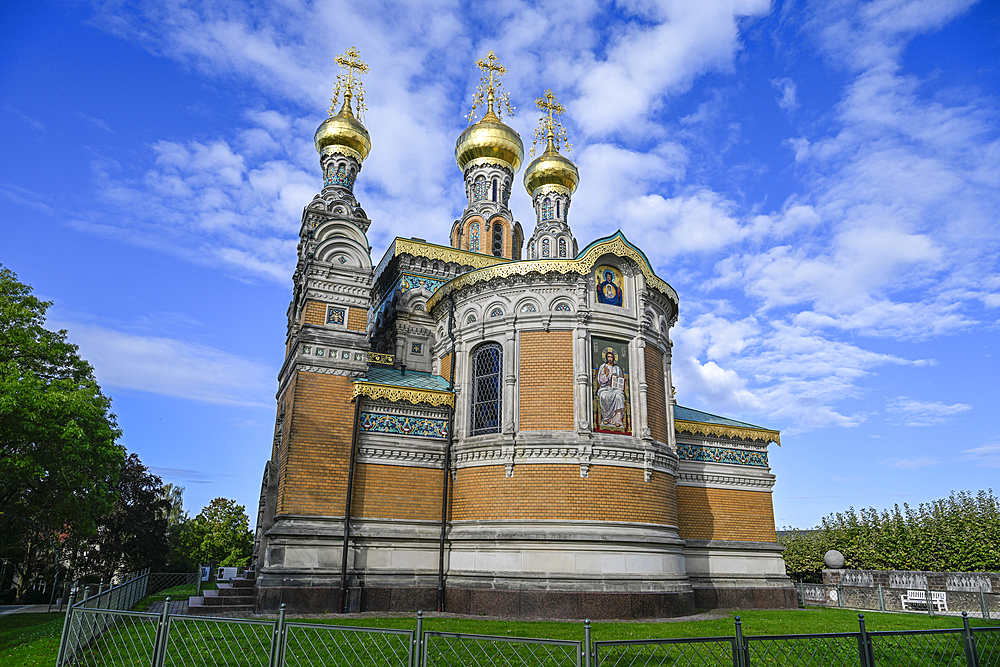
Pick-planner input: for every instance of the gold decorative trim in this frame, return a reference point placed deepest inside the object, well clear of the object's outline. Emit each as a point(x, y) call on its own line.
point(581, 265)
point(379, 358)
point(454, 255)
point(727, 431)
point(408, 394)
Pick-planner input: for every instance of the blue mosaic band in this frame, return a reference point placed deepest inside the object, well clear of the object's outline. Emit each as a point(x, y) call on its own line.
point(739, 457)
point(400, 425)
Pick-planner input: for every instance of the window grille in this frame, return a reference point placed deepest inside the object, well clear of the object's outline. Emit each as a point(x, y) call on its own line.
point(497, 240)
point(547, 209)
point(486, 400)
point(562, 247)
point(479, 189)
point(474, 237)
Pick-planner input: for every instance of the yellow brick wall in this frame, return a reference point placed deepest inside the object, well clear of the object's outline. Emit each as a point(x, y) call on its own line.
point(319, 422)
point(725, 514)
point(396, 492)
point(656, 404)
point(446, 367)
point(556, 491)
point(314, 313)
point(289, 398)
point(357, 319)
point(545, 381)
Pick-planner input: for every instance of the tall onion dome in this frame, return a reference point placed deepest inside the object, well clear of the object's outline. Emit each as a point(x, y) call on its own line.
point(551, 179)
point(341, 140)
point(489, 152)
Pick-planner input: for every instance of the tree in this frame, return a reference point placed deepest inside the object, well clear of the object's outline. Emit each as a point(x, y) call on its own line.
point(59, 457)
point(133, 535)
point(178, 558)
point(220, 534)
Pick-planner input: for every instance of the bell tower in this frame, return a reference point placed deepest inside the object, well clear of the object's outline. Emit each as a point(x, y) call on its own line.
point(327, 339)
point(489, 153)
point(551, 180)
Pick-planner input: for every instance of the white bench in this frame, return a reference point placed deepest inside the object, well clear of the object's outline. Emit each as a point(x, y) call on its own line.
point(938, 598)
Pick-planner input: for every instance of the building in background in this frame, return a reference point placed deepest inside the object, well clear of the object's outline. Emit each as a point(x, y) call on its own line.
point(495, 417)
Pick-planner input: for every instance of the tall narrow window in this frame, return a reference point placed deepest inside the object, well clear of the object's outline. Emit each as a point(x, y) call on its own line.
point(562, 247)
point(546, 209)
point(479, 189)
point(557, 208)
point(474, 237)
point(497, 240)
point(545, 247)
point(494, 189)
point(487, 365)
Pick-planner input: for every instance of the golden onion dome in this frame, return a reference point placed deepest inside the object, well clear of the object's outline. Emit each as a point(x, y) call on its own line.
point(490, 139)
point(345, 134)
point(551, 168)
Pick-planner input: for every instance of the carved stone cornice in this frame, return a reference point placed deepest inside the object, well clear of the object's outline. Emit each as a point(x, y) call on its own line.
point(707, 479)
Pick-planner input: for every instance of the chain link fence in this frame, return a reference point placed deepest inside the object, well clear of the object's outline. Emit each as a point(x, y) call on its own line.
point(95, 637)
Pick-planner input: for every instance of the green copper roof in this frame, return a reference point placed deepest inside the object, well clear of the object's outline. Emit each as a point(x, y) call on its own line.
point(409, 379)
point(692, 415)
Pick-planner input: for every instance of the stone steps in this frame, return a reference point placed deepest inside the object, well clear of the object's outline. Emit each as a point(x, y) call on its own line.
point(235, 596)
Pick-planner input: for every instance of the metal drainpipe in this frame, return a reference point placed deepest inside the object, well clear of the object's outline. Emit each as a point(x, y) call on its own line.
point(447, 455)
point(342, 604)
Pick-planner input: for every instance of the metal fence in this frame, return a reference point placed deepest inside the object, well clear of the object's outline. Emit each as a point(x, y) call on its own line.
point(978, 604)
point(96, 637)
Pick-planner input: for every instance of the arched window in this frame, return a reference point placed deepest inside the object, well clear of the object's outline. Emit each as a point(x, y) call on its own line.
point(498, 239)
point(487, 365)
point(531, 250)
point(479, 189)
point(557, 208)
point(546, 209)
point(494, 189)
point(474, 237)
point(562, 247)
point(545, 247)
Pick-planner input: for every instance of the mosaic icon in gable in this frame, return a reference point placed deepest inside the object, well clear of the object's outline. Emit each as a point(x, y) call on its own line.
point(609, 285)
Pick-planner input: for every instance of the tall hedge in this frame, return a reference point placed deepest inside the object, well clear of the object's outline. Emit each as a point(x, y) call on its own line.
point(960, 533)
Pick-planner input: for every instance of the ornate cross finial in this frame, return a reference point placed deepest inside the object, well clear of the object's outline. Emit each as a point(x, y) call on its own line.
point(549, 128)
point(349, 83)
point(489, 87)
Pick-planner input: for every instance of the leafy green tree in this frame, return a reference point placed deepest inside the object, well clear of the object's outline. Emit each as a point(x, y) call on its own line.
point(220, 534)
point(133, 535)
point(178, 522)
point(59, 457)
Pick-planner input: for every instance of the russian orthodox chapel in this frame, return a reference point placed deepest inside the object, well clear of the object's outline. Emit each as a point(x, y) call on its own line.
point(488, 426)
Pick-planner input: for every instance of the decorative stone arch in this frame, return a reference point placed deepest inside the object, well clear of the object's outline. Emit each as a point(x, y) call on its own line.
point(528, 306)
point(470, 312)
point(499, 238)
point(468, 242)
point(561, 304)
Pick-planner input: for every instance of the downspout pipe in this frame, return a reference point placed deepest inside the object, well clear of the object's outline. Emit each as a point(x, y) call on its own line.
point(447, 455)
point(342, 603)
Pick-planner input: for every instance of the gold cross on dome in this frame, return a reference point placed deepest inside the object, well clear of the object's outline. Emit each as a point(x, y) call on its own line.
point(489, 89)
point(550, 129)
point(351, 85)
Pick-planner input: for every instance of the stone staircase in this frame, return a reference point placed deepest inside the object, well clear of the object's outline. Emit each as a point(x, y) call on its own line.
point(235, 596)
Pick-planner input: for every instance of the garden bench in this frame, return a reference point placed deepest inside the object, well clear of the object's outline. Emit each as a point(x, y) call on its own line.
point(938, 598)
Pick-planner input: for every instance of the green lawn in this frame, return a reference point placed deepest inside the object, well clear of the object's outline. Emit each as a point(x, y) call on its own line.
point(29, 639)
point(33, 639)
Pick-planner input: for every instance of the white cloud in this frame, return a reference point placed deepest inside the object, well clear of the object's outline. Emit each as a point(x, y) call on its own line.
point(909, 464)
point(172, 367)
point(924, 413)
point(787, 101)
point(988, 455)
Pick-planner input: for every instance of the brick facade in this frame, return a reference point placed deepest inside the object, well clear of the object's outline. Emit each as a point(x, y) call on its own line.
point(656, 397)
point(725, 514)
point(446, 366)
point(556, 491)
point(545, 381)
point(316, 443)
point(357, 319)
point(396, 492)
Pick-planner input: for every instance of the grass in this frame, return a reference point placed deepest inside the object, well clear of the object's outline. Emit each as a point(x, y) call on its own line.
point(29, 639)
point(182, 592)
point(33, 639)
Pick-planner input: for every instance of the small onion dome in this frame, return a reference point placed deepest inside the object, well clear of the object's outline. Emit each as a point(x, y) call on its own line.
point(345, 134)
point(551, 168)
point(489, 139)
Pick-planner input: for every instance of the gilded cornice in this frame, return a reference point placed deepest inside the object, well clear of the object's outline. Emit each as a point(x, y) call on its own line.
point(727, 431)
point(445, 254)
point(408, 394)
point(583, 264)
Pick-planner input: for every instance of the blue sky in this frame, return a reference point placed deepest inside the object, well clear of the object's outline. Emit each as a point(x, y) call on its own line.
point(820, 181)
